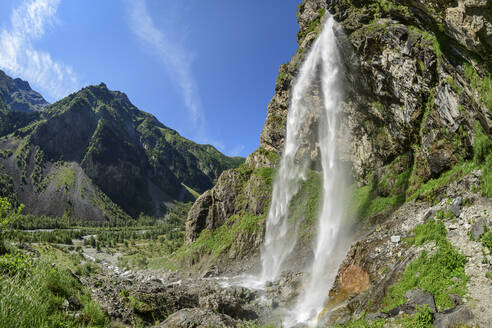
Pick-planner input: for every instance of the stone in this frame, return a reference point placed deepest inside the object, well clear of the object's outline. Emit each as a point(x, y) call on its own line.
point(74, 303)
point(395, 239)
point(457, 300)
point(213, 271)
point(354, 279)
point(417, 297)
point(460, 315)
point(456, 206)
point(478, 228)
point(429, 213)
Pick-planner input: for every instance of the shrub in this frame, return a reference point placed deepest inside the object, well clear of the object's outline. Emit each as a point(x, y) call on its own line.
point(482, 145)
point(8, 213)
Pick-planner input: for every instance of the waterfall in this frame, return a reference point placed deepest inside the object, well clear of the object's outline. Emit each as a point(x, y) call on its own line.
point(321, 69)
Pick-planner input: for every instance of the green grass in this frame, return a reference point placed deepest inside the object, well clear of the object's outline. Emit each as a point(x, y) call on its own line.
point(487, 177)
point(442, 215)
point(486, 240)
point(429, 189)
point(366, 203)
point(482, 156)
point(305, 205)
point(33, 295)
point(212, 243)
point(65, 178)
point(272, 156)
point(482, 145)
point(482, 159)
point(430, 231)
point(391, 6)
point(481, 86)
point(267, 173)
point(431, 272)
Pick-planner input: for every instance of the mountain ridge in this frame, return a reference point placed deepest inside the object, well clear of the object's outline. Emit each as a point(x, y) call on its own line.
point(107, 148)
point(17, 95)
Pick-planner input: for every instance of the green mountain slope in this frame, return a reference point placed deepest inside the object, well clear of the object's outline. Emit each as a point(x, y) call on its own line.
point(95, 155)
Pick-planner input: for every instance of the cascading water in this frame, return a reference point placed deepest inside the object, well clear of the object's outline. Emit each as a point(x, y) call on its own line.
point(322, 68)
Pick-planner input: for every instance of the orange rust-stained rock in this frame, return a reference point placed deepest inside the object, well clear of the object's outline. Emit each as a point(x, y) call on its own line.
point(354, 279)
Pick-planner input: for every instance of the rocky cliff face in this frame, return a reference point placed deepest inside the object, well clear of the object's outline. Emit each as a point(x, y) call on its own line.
point(418, 81)
point(418, 87)
point(94, 155)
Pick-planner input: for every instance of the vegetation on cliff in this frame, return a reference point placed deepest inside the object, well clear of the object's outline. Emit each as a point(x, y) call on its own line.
point(96, 156)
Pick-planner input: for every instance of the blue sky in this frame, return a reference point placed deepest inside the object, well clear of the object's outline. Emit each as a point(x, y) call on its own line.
point(204, 68)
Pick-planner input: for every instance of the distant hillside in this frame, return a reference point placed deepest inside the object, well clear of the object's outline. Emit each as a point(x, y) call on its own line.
point(94, 155)
point(17, 94)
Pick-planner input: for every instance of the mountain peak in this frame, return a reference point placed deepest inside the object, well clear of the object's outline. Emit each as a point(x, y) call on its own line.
point(22, 85)
point(18, 95)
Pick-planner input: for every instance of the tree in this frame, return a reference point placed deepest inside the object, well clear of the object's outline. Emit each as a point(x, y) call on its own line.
point(8, 213)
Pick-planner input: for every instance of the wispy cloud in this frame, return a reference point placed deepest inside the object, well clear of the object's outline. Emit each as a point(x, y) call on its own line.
point(237, 151)
point(175, 58)
point(19, 57)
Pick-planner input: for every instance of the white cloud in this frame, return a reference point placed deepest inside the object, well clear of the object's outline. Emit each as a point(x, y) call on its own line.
point(175, 58)
point(19, 57)
point(237, 151)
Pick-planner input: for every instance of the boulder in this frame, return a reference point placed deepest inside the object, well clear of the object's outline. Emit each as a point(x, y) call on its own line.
point(454, 317)
point(478, 228)
point(417, 297)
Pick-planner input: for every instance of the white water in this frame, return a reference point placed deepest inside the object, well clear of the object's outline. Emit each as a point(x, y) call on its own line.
point(321, 64)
